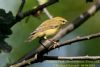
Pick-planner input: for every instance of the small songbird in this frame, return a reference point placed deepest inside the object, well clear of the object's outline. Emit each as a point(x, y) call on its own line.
point(48, 28)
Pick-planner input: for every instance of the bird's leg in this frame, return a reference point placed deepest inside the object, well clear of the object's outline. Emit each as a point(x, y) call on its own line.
point(45, 38)
point(55, 42)
point(40, 41)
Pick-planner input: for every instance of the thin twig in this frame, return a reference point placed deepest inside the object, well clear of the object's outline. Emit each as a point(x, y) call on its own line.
point(21, 8)
point(45, 10)
point(77, 39)
point(32, 11)
point(71, 58)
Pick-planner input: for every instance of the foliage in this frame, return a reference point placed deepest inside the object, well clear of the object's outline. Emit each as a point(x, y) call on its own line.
point(5, 20)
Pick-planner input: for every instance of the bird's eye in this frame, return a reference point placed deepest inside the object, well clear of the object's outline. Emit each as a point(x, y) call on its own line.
point(63, 21)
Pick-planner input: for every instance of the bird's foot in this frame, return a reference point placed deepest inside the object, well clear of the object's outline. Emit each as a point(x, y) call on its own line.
point(55, 43)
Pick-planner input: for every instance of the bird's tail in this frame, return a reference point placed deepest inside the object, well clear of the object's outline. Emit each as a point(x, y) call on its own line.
point(31, 37)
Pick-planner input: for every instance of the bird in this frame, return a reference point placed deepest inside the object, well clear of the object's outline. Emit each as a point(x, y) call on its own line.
point(48, 28)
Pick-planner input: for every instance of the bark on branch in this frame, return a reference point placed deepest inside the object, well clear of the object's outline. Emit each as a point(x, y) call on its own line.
point(71, 58)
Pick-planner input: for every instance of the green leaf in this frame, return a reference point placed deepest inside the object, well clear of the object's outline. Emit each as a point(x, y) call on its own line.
point(5, 20)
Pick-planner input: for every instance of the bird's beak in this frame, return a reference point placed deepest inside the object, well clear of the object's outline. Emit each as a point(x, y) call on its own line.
point(66, 21)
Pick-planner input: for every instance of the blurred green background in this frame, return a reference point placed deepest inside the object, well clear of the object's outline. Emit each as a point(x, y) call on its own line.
point(69, 9)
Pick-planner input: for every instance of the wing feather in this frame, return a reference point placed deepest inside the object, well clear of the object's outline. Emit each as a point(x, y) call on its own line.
point(44, 26)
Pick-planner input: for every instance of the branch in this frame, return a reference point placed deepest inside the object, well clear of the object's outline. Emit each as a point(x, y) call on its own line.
point(93, 58)
point(71, 58)
point(67, 42)
point(77, 39)
point(72, 26)
point(45, 10)
point(32, 11)
point(19, 13)
point(24, 62)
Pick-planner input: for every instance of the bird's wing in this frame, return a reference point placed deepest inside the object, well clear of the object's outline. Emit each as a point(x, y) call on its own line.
point(40, 28)
point(49, 24)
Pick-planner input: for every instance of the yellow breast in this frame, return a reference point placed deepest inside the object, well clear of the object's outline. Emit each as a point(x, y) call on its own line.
point(51, 31)
point(47, 32)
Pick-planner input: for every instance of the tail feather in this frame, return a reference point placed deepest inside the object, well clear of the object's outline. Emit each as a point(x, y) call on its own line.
point(32, 37)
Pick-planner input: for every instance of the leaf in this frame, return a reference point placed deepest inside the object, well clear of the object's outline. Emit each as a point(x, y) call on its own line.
point(5, 20)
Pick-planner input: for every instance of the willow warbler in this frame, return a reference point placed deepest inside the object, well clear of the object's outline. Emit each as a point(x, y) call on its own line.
point(47, 28)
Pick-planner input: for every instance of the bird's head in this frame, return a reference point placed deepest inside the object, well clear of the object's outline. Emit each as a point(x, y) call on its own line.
point(61, 20)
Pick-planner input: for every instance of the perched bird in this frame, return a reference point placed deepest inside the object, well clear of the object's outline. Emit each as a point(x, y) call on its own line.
point(47, 28)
